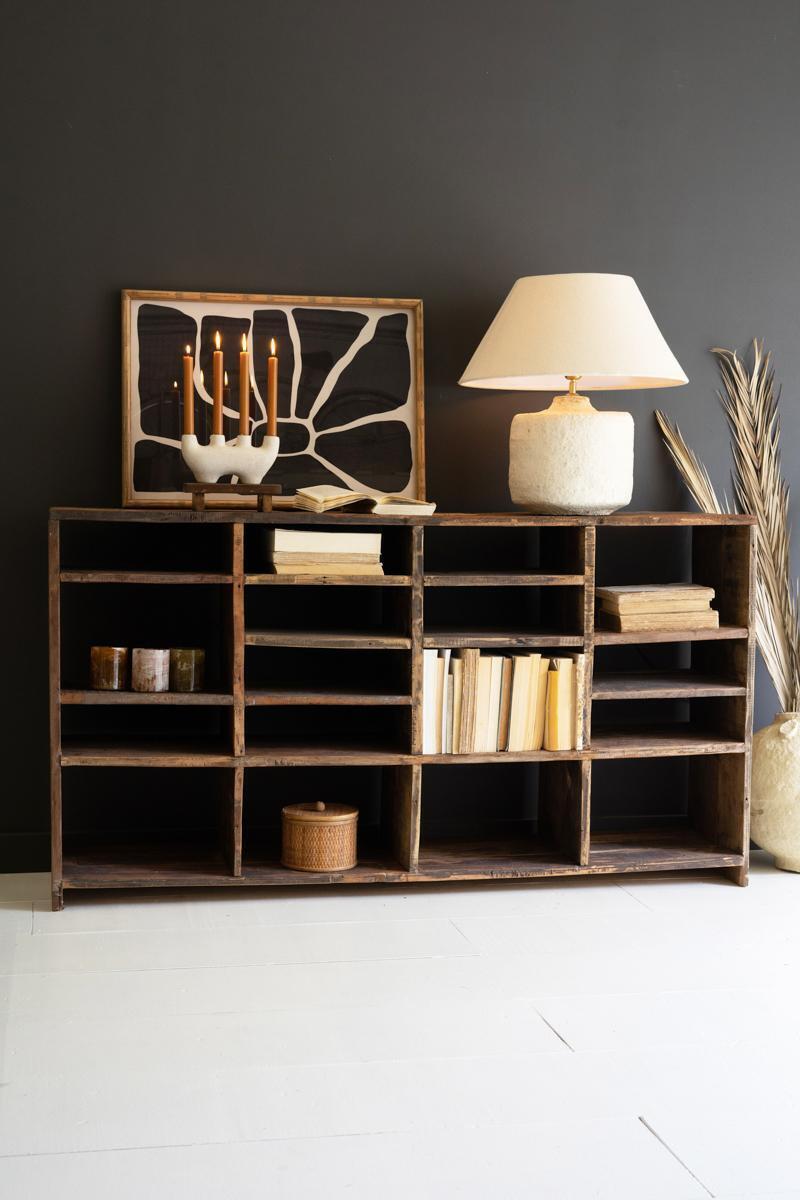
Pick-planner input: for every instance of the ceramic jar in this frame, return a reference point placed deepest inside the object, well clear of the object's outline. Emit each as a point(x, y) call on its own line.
point(150, 670)
point(775, 790)
point(186, 670)
point(109, 668)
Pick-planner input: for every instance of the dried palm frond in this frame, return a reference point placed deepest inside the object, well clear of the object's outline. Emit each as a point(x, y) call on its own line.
point(695, 475)
point(750, 403)
point(751, 407)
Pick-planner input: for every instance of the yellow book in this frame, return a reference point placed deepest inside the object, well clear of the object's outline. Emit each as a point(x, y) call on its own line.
point(559, 731)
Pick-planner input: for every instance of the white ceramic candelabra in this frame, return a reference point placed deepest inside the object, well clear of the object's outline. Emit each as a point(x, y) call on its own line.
point(241, 458)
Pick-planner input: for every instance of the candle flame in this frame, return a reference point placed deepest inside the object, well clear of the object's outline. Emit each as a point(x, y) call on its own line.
point(226, 379)
point(202, 377)
point(217, 340)
point(174, 383)
point(188, 349)
point(244, 343)
point(272, 346)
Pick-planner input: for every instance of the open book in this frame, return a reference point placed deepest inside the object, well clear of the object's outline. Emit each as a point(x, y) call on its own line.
point(325, 497)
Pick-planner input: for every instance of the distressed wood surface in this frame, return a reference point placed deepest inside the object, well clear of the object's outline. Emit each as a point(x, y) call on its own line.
point(191, 699)
point(323, 696)
point(717, 739)
point(666, 685)
point(322, 639)
point(673, 739)
point(266, 580)
point(501, 579)
point(610, 637)
point(152, 577)
point(498, 638)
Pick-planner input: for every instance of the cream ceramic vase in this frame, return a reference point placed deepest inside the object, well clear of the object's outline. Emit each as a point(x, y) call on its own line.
point(775, 790)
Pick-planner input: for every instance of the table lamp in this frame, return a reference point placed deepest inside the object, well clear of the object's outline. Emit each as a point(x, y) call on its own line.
point(595, 330)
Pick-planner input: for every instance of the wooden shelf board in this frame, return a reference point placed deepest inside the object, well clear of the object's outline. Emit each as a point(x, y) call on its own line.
point(150, 863)
point(79, 753)
point(90, 696)
point(263, 753)
point(258, 871)
point(492, 859)
point(166, 577)
point(321, 696)
point(668, 741)
point(666, 685)
point(322, 639)
point(498, 639)
point(501, 579)
point(611, 637)
point(666, 849)
point(329, 580)
point(505, 756)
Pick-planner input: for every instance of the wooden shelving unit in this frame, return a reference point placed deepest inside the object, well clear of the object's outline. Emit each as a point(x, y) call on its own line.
point(315, 690)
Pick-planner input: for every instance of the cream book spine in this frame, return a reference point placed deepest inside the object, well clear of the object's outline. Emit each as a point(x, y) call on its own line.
point(506, 680)
point(457, 671)
point(493, 723)
point(533, 696)
point(520, 689)
point(315, 542)
point(540, 684)
point(429, 670)
point(441, 700)
point(482, 700)
point(449, 686)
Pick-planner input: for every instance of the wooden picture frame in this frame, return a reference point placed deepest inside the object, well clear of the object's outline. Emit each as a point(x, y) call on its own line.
point(353, 361)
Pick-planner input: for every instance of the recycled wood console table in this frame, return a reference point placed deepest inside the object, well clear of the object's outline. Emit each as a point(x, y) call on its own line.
point(315, 692)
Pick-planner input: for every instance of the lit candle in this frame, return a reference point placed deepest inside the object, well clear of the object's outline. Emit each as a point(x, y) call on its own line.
point(226, 394)
point(272, 391)
point(244, 388)
point(188, 391)
point(216, 426)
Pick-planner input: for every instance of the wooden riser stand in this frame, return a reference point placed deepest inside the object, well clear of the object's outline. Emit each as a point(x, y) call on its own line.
point(323, 675)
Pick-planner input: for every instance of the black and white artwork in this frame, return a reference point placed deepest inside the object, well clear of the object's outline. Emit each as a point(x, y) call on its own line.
point(349, 389)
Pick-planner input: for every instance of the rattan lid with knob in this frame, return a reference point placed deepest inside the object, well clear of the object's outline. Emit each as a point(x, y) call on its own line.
point(317, 810)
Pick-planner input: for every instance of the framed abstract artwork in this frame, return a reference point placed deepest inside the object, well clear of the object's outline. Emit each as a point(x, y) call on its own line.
point(350, 401)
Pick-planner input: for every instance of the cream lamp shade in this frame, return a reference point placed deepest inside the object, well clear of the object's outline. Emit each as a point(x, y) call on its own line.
point(557, 329)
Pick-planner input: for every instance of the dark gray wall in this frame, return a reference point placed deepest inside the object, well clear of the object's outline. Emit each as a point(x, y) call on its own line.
point(433, 149)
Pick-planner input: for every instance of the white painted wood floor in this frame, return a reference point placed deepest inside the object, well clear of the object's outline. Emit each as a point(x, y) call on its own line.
point(581, 1038)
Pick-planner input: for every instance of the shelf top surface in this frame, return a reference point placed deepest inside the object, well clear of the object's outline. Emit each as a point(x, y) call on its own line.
point(291, 517)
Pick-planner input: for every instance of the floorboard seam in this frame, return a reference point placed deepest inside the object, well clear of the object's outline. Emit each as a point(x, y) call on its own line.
point(677, 1157)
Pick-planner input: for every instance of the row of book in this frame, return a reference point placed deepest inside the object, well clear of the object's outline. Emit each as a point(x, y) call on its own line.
point(647, 607)
point(474, 703)
point(313, 552)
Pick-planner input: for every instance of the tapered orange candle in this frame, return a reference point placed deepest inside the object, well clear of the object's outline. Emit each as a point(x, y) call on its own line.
point(216, 426)
point(272, 391)
point(244, 388)
point(188, 391)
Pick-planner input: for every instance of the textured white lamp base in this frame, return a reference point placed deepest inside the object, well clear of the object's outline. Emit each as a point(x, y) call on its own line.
point(241, 458)
point(571, 458)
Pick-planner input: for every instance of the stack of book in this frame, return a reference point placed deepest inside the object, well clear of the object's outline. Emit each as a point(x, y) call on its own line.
point(308, 552)
point(646, 607)
point(477, 703)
